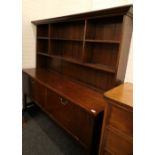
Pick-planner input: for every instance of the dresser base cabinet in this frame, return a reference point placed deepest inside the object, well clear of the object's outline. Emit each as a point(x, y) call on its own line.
point(73, 118)
point(81, 124)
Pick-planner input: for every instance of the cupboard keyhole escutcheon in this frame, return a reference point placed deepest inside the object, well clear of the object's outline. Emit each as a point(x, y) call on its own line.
point(63, 101)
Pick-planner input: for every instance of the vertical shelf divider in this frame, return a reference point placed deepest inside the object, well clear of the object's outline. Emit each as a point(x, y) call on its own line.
point(84, 38)
point(49, 42)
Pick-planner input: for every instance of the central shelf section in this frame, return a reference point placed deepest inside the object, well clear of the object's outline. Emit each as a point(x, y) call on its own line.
point(105, 68)
point(93, 43)
point(69, 48)
point(71, 30)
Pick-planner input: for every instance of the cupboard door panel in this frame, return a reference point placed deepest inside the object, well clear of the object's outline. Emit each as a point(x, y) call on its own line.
point(78, 122)
point(38, 92)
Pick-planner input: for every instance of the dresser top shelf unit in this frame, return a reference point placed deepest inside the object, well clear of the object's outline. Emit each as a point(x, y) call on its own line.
point(89, 47)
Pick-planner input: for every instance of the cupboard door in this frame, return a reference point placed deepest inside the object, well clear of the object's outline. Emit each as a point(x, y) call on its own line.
point(37, 92)
point(73, 118)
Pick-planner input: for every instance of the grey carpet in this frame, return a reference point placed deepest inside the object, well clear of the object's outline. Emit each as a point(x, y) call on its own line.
point(41, 136)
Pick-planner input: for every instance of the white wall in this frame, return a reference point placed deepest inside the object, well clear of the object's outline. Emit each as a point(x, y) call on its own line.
point(102, 4)
point(41, 9)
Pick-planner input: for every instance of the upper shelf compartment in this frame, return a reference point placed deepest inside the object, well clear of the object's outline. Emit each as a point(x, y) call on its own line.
point(103, 29)
point(70, 30)
point(42, 31)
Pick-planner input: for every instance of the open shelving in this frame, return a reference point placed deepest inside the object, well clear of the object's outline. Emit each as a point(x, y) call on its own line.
point(104, 28)
point(101, 67)
point(72, 30)
point(42, 30)
point(96, 42)
point(42, 45)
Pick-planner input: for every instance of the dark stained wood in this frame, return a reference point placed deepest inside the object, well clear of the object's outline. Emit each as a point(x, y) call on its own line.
point(76, 108)
point(102, 54)
point(38, 92)
point(25, 84)
point(94, 41)
point(100, 67)
point(66, 49)
point(43, 38)
point(104, 28)
point(33, 90)
point(63, 110)
point(97, 79)
point(63, 29)
point(102, 41)
point(74, 92)
point(42, 30)
point(117, 131)
point(41, 61)
point(78, 58)
point(42, 45)
point(66, 39)
point(124, 48)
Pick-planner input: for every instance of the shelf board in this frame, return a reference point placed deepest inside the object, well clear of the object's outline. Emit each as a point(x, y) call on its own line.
point(66, 39)
point(105, 68)
point(103, 41)
point(66, 59)
point(101, 67)
point(44, 54)
point(42, 37)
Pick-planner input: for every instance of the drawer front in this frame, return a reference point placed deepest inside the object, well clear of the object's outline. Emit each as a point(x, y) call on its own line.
point(121, 119)
point(71, 117)
point(117, 144)
point(37, 92)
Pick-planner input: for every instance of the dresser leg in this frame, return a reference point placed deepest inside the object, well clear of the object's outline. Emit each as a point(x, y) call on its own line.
point(24, 102)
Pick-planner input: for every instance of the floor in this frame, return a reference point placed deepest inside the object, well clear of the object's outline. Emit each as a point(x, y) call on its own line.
point(41, 136)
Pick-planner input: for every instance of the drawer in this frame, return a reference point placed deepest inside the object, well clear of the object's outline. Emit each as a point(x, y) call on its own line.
point(73, 118)
point(121, 119)
point(37, 92)
point(117, 144)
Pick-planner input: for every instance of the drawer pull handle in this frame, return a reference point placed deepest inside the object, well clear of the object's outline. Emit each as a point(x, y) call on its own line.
point(63, 101)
